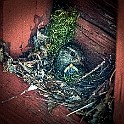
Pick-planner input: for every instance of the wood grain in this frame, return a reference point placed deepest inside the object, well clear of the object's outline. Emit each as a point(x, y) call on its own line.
point(97, 44)
point(102, 13)
point(119, 80)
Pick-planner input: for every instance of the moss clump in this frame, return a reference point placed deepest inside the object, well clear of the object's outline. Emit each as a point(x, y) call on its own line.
point(61, 29)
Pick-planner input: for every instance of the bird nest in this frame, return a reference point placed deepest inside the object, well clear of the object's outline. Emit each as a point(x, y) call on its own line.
point(65, 79)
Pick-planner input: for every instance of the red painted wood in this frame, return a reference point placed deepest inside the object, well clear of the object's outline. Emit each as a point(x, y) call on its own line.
point(28, 108)
point(25, 109)
point(18, 19)
point(119, 80)
point(96, 42)
point(102, 13)
point(1, 19)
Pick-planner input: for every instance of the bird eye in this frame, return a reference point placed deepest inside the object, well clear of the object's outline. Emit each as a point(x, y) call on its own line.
point(72, 54)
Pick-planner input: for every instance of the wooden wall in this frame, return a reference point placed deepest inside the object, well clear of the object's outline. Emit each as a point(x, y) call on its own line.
point(101, 13)
point(18, 20)
point(1, 19)
point(119, 80)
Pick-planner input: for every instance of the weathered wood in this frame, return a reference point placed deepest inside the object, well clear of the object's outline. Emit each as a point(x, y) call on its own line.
point(19, 21)
point(119, 80)
point(102, 13)
point(1, 19)
point(95, 18)
point(97, 43)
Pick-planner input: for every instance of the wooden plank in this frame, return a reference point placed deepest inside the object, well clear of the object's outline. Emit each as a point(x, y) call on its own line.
point(18, 20)
point(96, 43)
point(119, 80)
point(102, 13)
point(1, 19)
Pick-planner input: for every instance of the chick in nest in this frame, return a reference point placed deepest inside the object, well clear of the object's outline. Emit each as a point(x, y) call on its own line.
point(69, 61)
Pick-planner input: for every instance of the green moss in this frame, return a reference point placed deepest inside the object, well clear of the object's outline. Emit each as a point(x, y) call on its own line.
point(61, 29)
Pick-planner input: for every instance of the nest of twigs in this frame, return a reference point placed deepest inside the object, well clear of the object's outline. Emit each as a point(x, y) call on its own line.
point(89, 95)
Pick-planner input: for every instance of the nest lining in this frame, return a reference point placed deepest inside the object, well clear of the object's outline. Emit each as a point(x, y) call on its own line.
point(89, 94)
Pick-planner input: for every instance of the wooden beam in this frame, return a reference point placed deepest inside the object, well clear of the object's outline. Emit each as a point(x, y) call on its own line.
point(102, 13)
point(119, 78)
point(1, 19)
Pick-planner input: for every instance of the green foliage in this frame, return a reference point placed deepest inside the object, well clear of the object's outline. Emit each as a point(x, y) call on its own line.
point(61, 29)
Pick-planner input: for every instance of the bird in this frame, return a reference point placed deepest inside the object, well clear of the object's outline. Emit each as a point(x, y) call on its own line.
point(70, 60)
